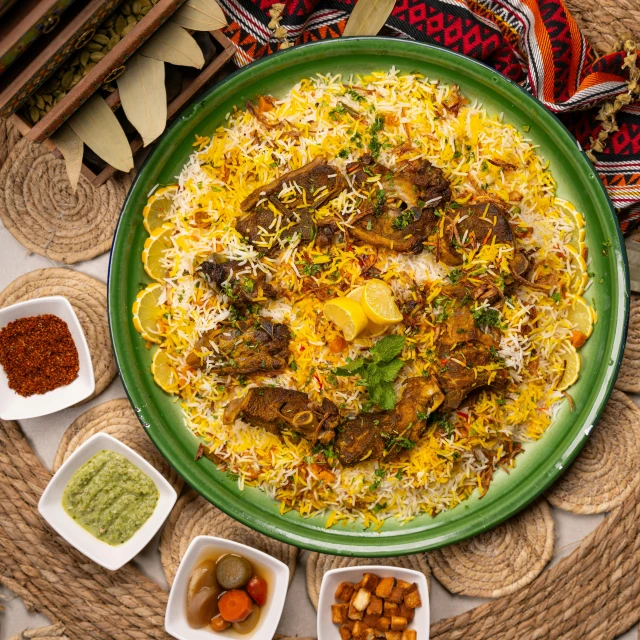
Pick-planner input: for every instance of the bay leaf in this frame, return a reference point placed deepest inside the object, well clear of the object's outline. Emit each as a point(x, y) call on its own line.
point(171, 43)
point(143, 96)
point(96, 125)
point(72, 149)
point(200, 15)
point(368, 17)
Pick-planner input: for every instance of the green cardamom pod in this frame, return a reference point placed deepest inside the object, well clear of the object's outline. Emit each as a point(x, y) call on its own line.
point(84, 57)
point(128, 28)
point(108, 23)
point(39, 102)
point(96, 56)
point(47, 108)
point(57, 93)
point(126, 9)
point(47, 97)
point(93, 46)
point(136, 5)
point(89, 67)
point(100, 38)
point(145, 10)
point(121, 23)
point(67, 79)
point(34, 114)
point(114, 41)
point(132, 20)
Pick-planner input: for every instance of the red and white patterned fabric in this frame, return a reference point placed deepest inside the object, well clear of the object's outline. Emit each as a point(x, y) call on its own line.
point(536, 43)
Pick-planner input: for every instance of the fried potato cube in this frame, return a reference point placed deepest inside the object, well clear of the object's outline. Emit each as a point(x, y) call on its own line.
point(339, 613)
point(361, 600)
point(396, 595)
point(383, 590)
point(354, 614)
point(384, 624)
point(409, 634)
point(344, 592)
point(350, 624)
point(369, 634)
point(371, 619)
point(393, 635)
point(369, 581)
point(404, 585)
point(375, 606)
point(390, 608)
point(358, 629)
point(398, 623)
point(413, 600)
point(345, 632)
point(407, 613)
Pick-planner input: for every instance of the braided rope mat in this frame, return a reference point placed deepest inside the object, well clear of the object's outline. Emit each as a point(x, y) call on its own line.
point(606, 471)
point(193, 516)
point(118, 419)
point(38, 207)
point(88, 297)
point(501, 560)
point(319, 563)
point(629, 375)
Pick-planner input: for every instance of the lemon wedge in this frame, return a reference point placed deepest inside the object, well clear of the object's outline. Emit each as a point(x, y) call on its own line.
point(571, 368)
point(579, 233)
point(158, 206)
point(163, 373)
point(155, 247)
point(347, 315)
point(373, 330)
point(579, 277)
point(146, 312)
point(580, 315)
point(378, 303)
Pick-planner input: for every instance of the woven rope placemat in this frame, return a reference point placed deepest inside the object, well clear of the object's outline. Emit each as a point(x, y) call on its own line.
point(38, 207)
point(629, 375)
point(52, 632)
point(88, 297)
point(9, 137)
point(194, 516)
point(602, 20)
point(607, 469)
point(499, 561)
point(319, 563)
point(118, 419)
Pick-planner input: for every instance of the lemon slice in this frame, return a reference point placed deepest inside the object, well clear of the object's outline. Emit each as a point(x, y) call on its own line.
point(579, 233)
point(571, 368)
point(580, 315)
point(373, 330)
point(163, 373)
point(146, 312)
point(158, 206)
point(155, 247)
point(347, 315)
point(378, 303)
point(579, 276)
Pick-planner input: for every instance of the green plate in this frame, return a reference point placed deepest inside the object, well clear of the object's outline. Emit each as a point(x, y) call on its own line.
point(542, 462)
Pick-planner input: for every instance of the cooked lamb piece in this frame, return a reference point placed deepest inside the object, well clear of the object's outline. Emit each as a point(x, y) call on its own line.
point(255, 346)
point(242, 290)
point(277, 410)
point(478, 289)
point(471, 226)
point(400, 215)
point(383, 435)
point(314, 185)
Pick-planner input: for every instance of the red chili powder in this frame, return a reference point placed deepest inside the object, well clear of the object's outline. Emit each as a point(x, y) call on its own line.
point(38, 354)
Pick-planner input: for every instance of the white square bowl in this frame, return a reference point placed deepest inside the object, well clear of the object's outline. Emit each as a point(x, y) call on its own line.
point(16, 407)
point(327, 630)
point(276, 573)
point(106, 555)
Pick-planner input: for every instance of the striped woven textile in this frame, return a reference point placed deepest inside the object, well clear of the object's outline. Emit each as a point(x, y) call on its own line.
point(536, 43)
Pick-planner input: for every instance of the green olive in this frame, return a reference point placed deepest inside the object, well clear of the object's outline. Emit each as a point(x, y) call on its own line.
point(233, 572)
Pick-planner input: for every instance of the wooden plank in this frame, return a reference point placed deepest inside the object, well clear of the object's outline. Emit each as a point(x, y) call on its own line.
point(114, 59)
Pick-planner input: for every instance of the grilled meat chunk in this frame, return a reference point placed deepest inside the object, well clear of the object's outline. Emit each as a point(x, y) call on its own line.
point(293, 196)
point(400, 215)
point(256, 346)
point(243, 290)
point(470, 227)
point(383, 435)
point(277, 410)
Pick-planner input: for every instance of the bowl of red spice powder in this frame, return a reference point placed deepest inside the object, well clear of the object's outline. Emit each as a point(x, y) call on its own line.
point(45, 364)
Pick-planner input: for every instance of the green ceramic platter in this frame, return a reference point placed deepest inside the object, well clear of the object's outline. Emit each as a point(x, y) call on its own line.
point(542, 462)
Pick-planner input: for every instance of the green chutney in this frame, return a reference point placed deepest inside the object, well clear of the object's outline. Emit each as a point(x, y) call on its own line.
point(110, 497)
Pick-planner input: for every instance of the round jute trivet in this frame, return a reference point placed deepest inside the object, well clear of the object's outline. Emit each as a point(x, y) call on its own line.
point(606, 471)
point(38, 207)
point(602, 20)
point(499, 561)
point(194, 516)
point(629, 376)
point(88, 297)
point(9, 137)
point(118, 419)
point(52, 632)
point(319, 563)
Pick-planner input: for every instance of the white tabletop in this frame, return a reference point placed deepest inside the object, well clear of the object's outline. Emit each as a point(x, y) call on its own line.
point(299, 617)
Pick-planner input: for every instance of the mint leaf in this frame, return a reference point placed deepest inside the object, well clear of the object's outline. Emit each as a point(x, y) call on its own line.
point(388, 348)
point(350, 368)
point(389, 371)
point(383, 395)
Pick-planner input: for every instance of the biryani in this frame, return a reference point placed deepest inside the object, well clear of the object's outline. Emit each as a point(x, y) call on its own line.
point(367, 296)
